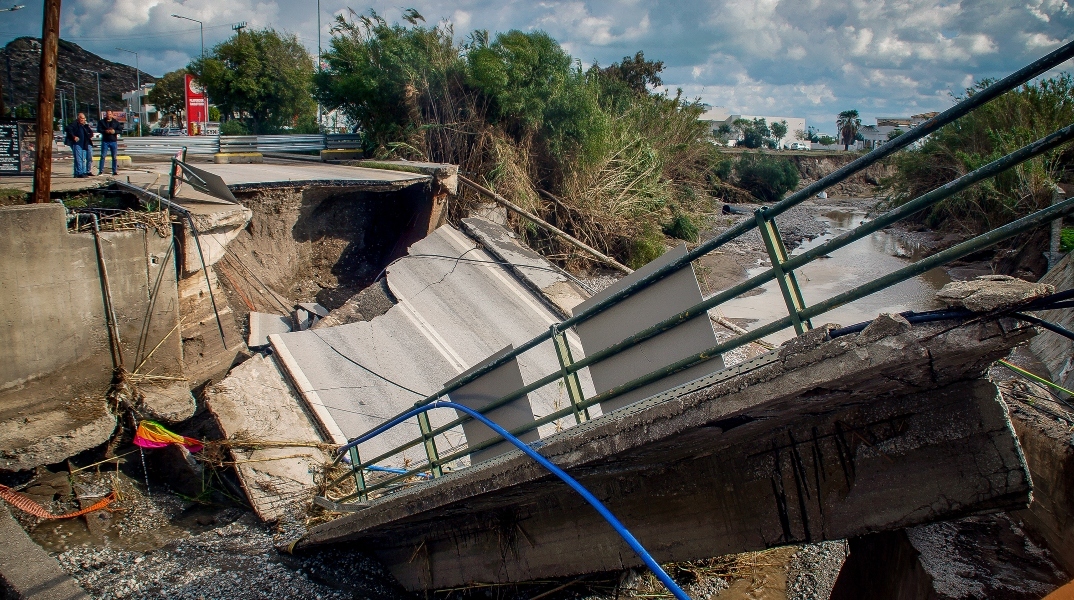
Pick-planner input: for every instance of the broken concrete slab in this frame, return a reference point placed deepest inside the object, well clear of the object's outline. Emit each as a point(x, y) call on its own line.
point(990, 292)
point(355, 376)
point(217, 225)
point(858, 437)
point(27, 572)
point(263, 325)
point(530, 267)
point(205, 354)
point(276, 445)
point(167, 401)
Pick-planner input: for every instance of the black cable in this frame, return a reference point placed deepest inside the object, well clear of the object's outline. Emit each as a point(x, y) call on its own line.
point(365, 368)
point(1063, 331)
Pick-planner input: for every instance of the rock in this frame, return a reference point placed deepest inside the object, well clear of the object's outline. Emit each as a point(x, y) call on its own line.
point(170, 403)
point(991, 292)
point(885, 325)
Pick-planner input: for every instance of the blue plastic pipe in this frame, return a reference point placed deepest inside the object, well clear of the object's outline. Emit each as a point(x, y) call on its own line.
point(628, 537)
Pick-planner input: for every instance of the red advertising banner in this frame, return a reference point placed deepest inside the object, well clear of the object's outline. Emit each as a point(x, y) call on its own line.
point(197, 113)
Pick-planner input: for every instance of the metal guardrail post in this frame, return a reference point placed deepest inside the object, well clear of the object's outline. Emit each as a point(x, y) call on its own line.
point(570, 378)
point(788, 283)
point(430, 445)
point(359, 474)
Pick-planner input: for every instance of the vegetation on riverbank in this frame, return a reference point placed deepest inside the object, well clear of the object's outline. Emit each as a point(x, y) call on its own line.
point(998, 128)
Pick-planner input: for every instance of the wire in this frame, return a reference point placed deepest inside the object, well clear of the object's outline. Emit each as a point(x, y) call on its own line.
point(619, 528)
point(365, 368)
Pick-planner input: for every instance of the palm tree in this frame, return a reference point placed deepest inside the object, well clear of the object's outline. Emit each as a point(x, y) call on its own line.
point(847, 124)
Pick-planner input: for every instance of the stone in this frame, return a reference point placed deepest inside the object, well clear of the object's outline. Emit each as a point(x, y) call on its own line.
point(988, 293)
point(26, 569)
point(887, 324)
point(170, 402)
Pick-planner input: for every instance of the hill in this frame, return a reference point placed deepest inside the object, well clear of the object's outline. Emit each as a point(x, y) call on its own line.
point(20, 79)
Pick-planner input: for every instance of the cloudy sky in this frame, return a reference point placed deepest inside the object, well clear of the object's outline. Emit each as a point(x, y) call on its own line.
point(808, 58)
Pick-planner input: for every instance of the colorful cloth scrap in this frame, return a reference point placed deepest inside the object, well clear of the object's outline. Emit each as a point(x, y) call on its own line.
point(151, 434)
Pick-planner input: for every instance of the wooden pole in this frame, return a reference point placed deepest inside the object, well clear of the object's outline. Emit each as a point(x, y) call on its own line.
point(46, 91)
point(541, 222)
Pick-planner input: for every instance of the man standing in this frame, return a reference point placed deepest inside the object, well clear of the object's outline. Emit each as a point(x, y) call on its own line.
point(79, 136)
point(109, 128)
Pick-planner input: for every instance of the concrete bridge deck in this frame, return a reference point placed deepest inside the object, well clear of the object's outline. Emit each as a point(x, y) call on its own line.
point(821, 439)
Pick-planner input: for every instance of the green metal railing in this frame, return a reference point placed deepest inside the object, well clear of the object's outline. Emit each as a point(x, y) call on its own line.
point(782, 271)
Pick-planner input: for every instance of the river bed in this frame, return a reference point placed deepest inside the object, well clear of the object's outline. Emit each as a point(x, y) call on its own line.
point(862, 261)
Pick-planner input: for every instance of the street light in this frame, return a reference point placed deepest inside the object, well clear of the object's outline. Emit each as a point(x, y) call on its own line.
point(13, 8)
point(98, 74)
point(74, 95)
point(138, 92)
point(201, 26)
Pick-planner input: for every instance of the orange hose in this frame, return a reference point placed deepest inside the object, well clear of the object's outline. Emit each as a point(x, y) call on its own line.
point(29, 506)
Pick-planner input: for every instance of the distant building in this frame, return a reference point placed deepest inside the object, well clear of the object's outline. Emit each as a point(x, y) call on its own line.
point(135, 98)
point(879, 134)
point(717, 116)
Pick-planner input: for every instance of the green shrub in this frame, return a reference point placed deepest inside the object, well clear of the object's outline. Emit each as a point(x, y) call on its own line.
point(646, 248)
point(766, 177)
point(1066, 241)
point(682, 227)
point(724, 169)
point(233, 127)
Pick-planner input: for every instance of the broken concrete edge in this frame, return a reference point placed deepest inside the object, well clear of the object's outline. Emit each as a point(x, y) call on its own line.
point(446, 175)
point(561, 294)
point(56, 448)
point(348, 184)
point(329, 428)
point(674, 412)
point(238, 158)
point(26, 569)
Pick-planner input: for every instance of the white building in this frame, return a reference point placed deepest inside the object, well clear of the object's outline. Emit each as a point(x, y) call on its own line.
point(718, 116)
point(877, 135)
point(135, 98)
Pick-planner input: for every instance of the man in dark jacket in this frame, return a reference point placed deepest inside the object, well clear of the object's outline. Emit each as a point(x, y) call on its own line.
point(79, 136)
point(109, 128)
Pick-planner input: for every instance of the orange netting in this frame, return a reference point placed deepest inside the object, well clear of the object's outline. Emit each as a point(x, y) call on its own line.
point(29, 506)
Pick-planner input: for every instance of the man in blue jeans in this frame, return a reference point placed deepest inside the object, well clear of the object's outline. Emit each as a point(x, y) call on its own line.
point(79, 136)
point(109, 128)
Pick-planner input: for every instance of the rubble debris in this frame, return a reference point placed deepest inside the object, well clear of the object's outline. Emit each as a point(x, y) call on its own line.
point(991, 292)
point(273, 443)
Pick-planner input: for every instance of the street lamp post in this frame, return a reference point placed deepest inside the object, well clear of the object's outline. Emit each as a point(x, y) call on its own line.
point(63, 109)
point(138, 80)
point(97, 73)
point(201, 27)
point(74, 95)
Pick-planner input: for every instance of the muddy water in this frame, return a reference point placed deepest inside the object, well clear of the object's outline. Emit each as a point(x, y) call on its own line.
point(848, 267)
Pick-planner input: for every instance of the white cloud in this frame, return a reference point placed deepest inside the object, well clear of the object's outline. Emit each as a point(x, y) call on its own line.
point(808, 57)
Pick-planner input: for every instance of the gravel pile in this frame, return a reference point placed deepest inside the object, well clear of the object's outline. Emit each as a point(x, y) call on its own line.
point(814, 568)
point(235, 561)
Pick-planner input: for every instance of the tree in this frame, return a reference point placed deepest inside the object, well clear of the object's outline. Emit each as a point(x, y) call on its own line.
point(848, 124)
point(779, 131)
point(894, 133)
point(637, 73)
point(755, 133)
point(263, 77)
point(826, 140)
point(169, 94)
point(809, 134)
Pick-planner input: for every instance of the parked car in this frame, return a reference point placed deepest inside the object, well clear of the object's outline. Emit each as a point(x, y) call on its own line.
point(798, 146)
point(169, 131)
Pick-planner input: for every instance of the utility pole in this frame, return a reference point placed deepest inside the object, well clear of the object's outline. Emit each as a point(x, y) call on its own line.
point(50, 40)
point(98, 90)
point(138, 82)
